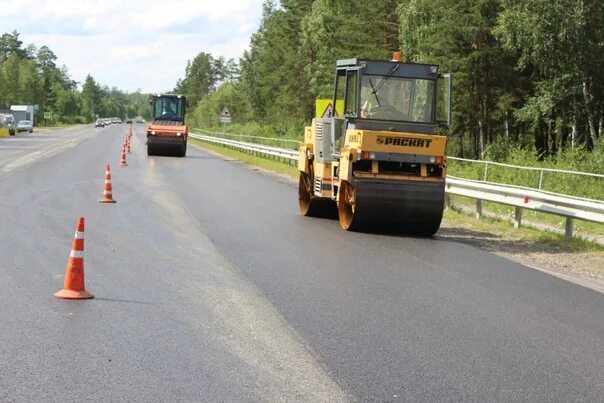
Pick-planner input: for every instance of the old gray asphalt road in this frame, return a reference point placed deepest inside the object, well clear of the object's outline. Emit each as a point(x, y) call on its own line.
point(209, 286)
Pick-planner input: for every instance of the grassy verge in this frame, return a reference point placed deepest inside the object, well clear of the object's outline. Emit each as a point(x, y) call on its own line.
point(581, 227)
point(57, 126)
point(557, 182)
point(550, 241)
point(249, 159)
point(453, 219)
point(287, 131)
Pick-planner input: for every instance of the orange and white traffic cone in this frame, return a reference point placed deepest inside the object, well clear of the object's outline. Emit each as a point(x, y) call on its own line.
point(123, 162)
point(128, 145)
point(107, 191)
point(73, 288)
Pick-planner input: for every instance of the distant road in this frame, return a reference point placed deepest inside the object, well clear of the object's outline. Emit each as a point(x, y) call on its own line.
point(210, 287)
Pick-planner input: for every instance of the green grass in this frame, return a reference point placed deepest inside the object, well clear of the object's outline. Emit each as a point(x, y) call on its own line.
point(552, 241)
point(56, 126)
point(288, 131)
point(261, 162)
point(279, 142)
point(580, 227)
point(557, 182)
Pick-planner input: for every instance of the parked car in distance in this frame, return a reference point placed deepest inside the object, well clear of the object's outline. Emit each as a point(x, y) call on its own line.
point(25, 126)
point(7, 120)
point(99, 123)
point(128, 120)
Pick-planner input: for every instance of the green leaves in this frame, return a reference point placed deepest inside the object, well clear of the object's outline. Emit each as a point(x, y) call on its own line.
point(561, 45)
point(525, 71)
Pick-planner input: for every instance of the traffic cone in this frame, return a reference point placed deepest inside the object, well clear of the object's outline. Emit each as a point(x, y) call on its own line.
point(123, 162)
point(107, 191)
point(128, 145)
point(73, 287)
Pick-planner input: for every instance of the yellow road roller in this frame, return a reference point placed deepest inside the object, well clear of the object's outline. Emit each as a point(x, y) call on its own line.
point(381, 165)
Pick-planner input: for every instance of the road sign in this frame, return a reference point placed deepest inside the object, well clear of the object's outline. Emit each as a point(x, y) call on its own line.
point(324, 108)
point(225, 116)
point(47, 115)
point(328, 111)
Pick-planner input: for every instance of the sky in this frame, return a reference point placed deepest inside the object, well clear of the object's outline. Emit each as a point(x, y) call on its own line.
point(133, 44)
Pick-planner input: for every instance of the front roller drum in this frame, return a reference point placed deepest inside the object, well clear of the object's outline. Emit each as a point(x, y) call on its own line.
point(387, 206)
point(310, 205)
point(176, 149)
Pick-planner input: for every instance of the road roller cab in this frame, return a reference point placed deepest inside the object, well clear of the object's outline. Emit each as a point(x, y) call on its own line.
point(167, 133)
point(379, 163)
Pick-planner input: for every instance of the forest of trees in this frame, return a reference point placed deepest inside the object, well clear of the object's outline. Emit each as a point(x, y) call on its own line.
point(31, 76)
point(527, 73)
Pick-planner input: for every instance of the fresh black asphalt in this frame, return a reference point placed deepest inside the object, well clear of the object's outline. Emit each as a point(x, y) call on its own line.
point(210, 287)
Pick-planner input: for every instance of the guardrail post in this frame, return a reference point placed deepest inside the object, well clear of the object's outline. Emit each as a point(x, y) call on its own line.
point(447, 200)
point(568, 230)
point(518, 217)
point(486, 170)
point(478, 208)
point(541, 180)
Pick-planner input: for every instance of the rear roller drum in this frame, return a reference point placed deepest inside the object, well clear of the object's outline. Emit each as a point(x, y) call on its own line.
point(347, 206)
point(310, 206)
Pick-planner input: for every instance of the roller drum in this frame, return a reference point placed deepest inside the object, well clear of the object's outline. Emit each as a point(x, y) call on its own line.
point(310, 205)
point(392, 206)
point(166, 147)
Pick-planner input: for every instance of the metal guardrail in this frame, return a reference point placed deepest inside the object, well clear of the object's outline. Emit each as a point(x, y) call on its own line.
point(245, 146)
point(283, 143)
point(294, 144)
point(519, 197)
point(522, 198)
point(541, 171)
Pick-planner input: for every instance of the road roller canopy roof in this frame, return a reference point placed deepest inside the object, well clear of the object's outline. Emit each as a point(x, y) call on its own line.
point(394, 69)
point(392, 95)
point(168, 107)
